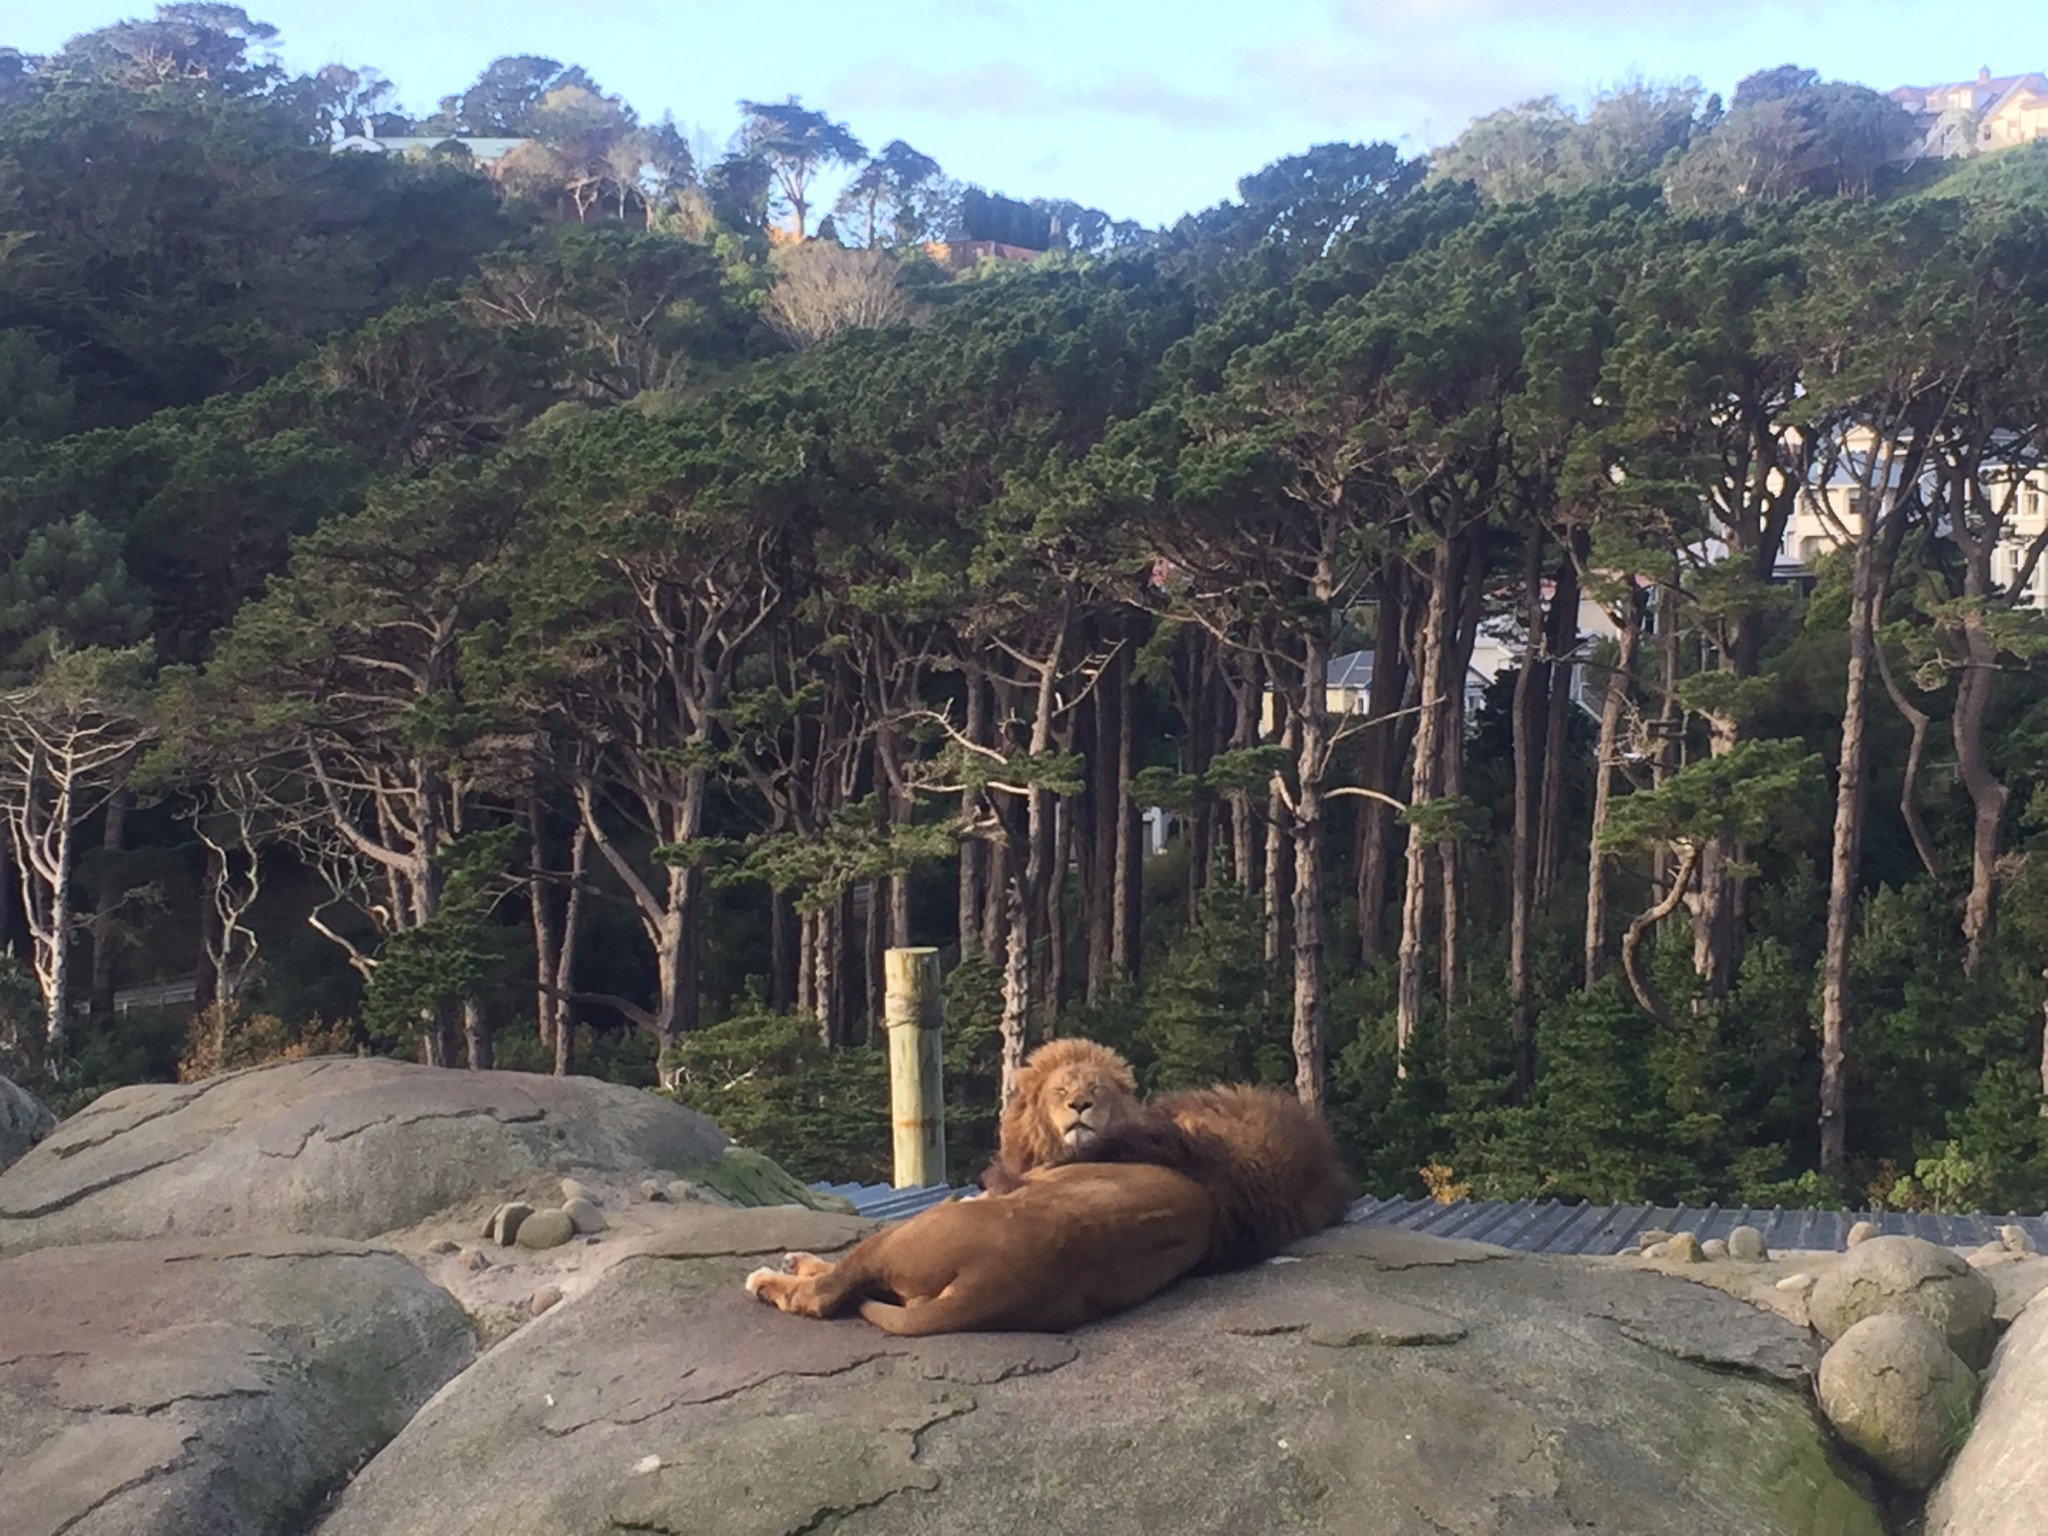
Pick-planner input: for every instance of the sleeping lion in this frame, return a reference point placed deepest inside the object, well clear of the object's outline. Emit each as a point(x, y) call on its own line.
point(1096, 1202)
point(1067, 1246)
point(1268, 1161)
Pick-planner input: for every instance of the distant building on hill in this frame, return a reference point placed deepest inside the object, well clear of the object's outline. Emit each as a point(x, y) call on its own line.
point(959, 255)
point(484, 152)
point(1971, 117)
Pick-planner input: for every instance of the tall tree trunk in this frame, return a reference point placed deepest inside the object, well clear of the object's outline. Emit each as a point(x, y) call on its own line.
point(806, 999)
point(974, 854)
point(547, 938)
point(565, 956)
point(1384, 742)
point(476, 1035)
point(1097, 832)
point(113, 885)
point(1279, 843)
point(1613, 705)
point(211, 980)
point(782, 960)
point(1311, 1001)
point(875, 940)
point(1987, 794)
point(1244, 825)
point(1431, 643)
point(1451, 781)
point(1867, 591)
point(1562, 642)
point(1128, 913)
point(1016, 990)
point(1528, 749)
point(1909, 782)
point(56, 966)
point(1056, 916)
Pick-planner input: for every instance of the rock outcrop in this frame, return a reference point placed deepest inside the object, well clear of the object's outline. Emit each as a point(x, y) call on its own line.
point(1380, 1382)
point(1894, 1390)
point(223, 1386)
point(1998, 1483)
point(344, 1147)
point(1911, 1276)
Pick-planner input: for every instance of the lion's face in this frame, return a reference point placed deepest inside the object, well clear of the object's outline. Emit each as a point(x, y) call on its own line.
point(1079, 1102)
point(1069, 1092)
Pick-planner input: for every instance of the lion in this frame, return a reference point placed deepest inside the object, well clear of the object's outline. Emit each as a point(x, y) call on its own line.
point(1067, 1246)
point(1269, 1162)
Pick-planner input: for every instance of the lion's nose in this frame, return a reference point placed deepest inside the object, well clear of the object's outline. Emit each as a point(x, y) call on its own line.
point(1081, 1103)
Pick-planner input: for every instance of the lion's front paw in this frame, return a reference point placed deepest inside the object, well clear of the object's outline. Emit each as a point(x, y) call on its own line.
point(804, 1265)
point(769, 1285)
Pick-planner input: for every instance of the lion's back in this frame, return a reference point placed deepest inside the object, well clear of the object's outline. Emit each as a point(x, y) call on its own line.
point(1274, 1170)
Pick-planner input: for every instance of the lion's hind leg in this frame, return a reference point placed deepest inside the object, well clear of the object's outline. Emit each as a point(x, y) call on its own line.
point(947, 1312)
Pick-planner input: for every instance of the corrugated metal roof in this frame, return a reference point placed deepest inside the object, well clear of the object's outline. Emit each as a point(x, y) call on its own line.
point(1548, 1226)
point(1551, 1227)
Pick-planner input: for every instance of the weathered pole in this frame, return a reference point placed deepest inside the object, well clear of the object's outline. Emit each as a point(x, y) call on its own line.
point(913, 1012)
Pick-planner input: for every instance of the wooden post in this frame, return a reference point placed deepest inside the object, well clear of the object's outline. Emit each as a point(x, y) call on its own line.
point(913, 1012)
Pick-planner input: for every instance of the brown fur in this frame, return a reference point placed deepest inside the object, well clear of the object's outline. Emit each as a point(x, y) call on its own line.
point(1268, 1161)
point(1069, 1245)
point(1062, 1084)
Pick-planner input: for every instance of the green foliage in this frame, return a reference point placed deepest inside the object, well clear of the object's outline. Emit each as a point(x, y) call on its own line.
point(1740, 794)
point(454, 955)
point(767, 1081)
point(1210, 1014)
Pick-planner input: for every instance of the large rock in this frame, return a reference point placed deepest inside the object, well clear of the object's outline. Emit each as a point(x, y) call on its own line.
point(223, 1387)
point(341, 1146)
point(1894, 1390)
point(1384, 1382)
point(1913, 1276)
point(24, 1121)
point(1998, 1483)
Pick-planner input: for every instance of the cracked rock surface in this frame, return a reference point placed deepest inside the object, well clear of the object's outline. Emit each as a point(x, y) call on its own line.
point(1998, 1483)
point(219, 1386)
point(1378, 1382)
point(344, 1147)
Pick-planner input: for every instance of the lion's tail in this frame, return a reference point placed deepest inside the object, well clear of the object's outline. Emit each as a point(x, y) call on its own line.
point(1269, 1162)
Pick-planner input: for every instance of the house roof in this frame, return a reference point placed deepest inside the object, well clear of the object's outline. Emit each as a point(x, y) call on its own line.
point(483, 151)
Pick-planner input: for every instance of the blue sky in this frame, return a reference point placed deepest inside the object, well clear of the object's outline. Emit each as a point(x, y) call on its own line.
point(1146, 108)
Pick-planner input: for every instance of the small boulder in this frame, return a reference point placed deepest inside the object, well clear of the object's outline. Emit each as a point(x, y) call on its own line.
point(1650, 1237)
point(1801, 1281)
point(1993, 1252)
point(1747, 1244)
point(653, 1189)
point(584, 1216)
point(1683, 1249)
point(2016, 1239)
point(683, 1192)
point(506, 1220)
point(1894, 1390)
point(543, 1298)
point(546, 1229)
point(443, 1245)
point(1863, 1232)
point(475, 1261)
point(1714, 1248)
point(1912, 1276)
point(572, 1191)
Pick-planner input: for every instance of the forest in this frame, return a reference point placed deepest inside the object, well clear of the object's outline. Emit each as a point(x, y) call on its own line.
point(573, 612)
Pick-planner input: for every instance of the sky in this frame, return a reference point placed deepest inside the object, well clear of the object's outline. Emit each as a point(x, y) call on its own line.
point(1145, 108)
